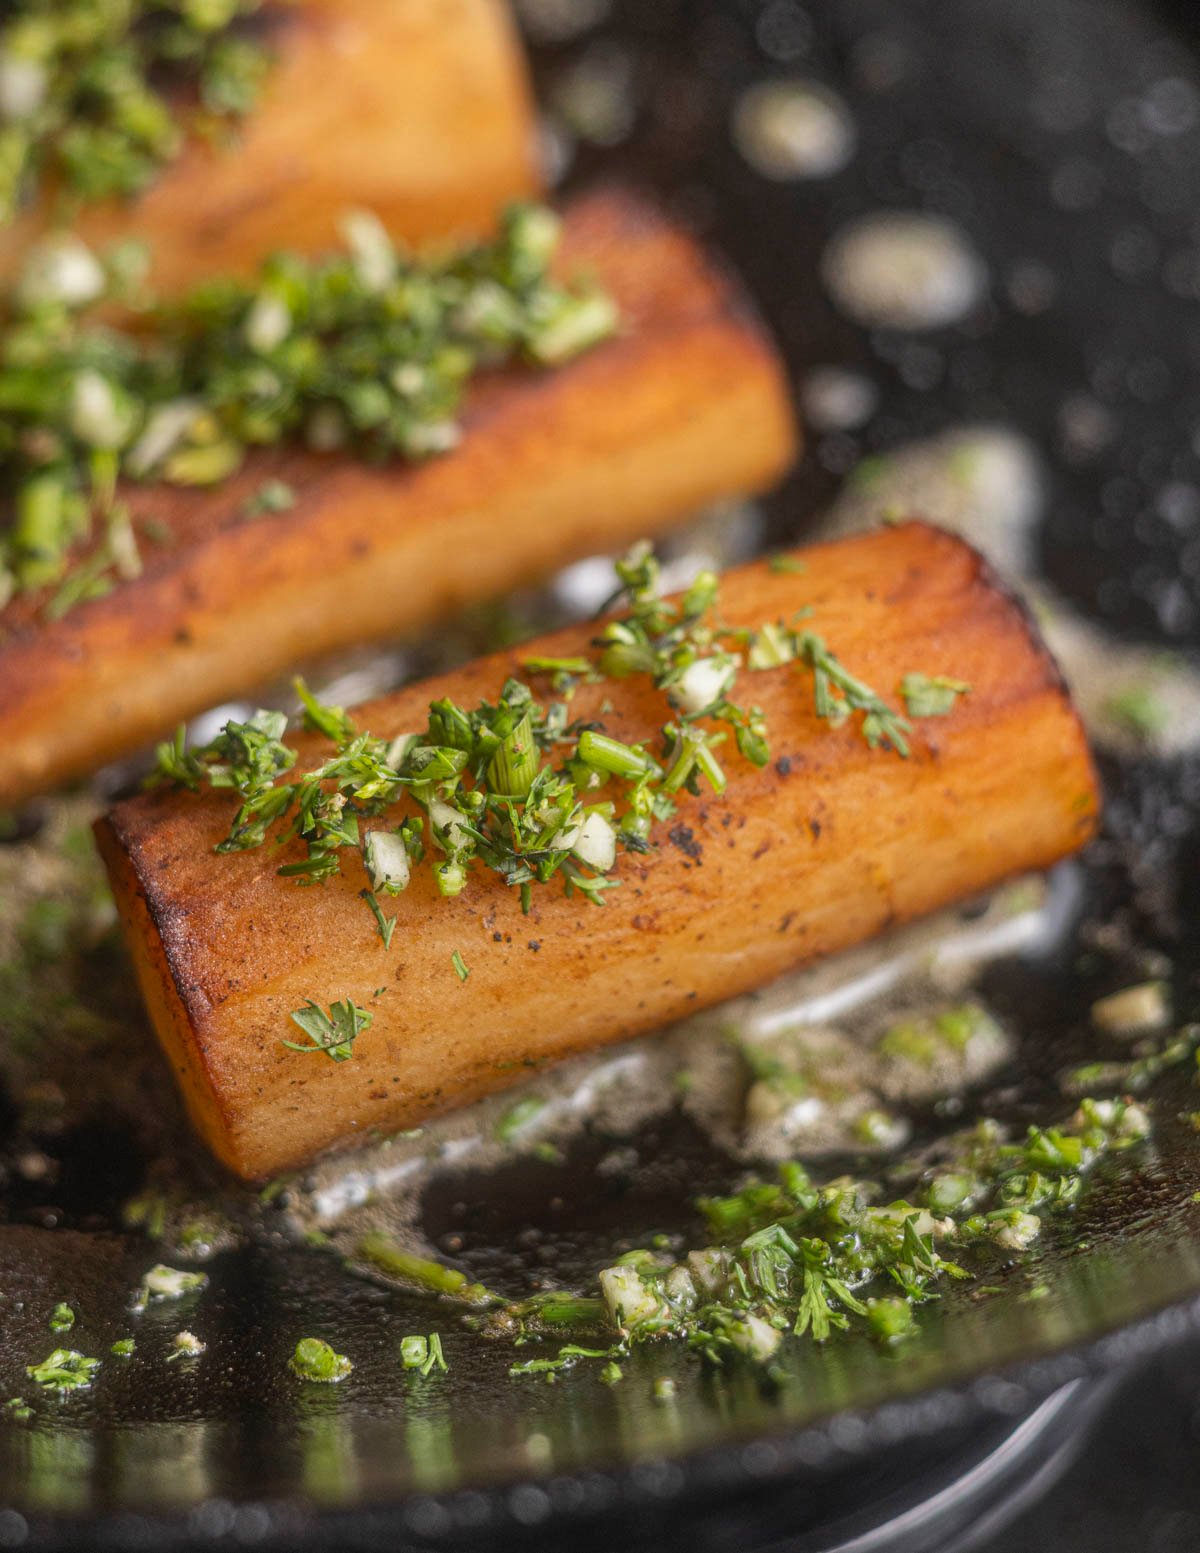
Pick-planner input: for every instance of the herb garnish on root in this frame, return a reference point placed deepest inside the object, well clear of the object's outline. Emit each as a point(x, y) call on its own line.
point(333, 1033)
point(84, 89)
point(517, 786)
point(791, 1256)
point(369, 351)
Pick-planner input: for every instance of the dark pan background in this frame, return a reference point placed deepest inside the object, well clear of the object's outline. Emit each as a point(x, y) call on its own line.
point(1019, 119)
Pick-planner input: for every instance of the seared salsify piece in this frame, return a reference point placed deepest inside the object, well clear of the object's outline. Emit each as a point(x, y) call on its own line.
point(418, 110)
point(587, 838)
point(682, 402)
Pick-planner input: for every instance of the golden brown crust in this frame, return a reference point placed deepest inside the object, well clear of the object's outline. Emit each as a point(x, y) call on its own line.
point(417, 109)
point(828, 845)
point(687, 405)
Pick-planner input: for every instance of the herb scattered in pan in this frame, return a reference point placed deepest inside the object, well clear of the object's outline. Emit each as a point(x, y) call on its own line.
point(517, 1117)
point(423, 1353)
point(62, 1318)
point(432, 1277)
point(166, 1283)
point(369, 351)
point(89, 93)
point(1135, 1074)
point(791, 1256)
point(123, 1348)
point(568, 1355)
point(316, 1361)
point(186, 1345)
point(64, 1370)
point(1139, 711)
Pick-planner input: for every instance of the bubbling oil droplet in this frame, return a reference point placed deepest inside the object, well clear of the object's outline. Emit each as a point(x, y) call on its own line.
point(837, 399)
point(793, 130)
point(559, 21)
point(904, 270)
point(594, 97)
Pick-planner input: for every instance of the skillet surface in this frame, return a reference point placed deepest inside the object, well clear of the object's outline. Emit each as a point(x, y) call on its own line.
point(972, 110)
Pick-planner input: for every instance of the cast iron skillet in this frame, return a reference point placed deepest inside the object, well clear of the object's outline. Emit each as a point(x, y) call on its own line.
point(972, 109)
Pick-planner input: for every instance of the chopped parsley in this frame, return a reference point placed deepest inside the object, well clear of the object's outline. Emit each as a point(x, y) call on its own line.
point(840, 693)
point(515, 786)
point(1139, 711)
point(386, 925)
point(369, 351)
point(63, 1370)
point(333, 1033)
point(88, 92)
point(123, 1348)
point(272, 496)
point(166, 1283)
point(423, 1353)
point(790, 1256)
point(518, 1117)
point(931, 696)
point(1135, 1074)
point(316, 1361)
point(568, 1355)
point(62, 1318)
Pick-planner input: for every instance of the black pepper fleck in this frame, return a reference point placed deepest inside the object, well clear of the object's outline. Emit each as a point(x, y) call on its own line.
point(683, 837)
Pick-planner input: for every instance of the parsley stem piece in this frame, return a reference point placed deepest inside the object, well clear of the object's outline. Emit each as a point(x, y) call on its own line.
point(606, 754)
point(557, 665)
point(386, 925)
point(433, 1277)
point(693, 754)
point(881, 724)
point(515, 764)
point(423, 1353)
point(559, 1311)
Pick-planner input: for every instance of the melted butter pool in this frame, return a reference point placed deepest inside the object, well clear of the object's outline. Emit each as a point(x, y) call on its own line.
point(823, 1062)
